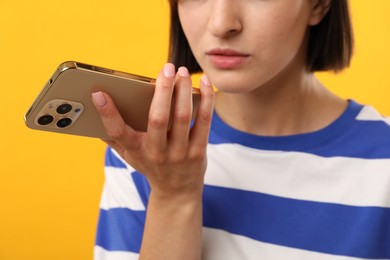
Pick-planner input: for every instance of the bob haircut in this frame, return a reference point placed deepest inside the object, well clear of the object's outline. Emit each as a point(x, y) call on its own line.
point(330, 43)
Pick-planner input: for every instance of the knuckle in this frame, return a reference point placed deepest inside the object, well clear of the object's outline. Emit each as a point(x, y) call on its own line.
point(158, 158)
point(158, 121)
point(205, 116)
point(116, 133)
point(107, 112)
point(208, 94)
point(178, 156)
point(166, 85)
point(182, 117)
point(197, 154)
point(109, 115)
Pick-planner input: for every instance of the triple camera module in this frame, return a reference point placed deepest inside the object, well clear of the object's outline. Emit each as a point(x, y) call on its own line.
point(59, 113)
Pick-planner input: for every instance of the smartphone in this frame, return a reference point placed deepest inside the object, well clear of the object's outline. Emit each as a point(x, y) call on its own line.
point(65, 103)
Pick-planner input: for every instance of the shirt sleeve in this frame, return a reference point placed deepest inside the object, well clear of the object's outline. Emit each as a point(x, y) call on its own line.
point(122, 210)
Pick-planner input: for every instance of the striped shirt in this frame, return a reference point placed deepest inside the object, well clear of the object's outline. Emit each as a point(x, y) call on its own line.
point(323, 195)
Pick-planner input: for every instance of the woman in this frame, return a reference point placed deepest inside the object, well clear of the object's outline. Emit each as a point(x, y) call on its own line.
point(277, 167)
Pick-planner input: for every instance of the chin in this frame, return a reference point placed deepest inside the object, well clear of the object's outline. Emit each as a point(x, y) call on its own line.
point(228, 87)
point(234, 84)
point(236, 81)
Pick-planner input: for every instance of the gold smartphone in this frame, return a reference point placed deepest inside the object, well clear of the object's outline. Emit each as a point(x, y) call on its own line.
point(65, 103)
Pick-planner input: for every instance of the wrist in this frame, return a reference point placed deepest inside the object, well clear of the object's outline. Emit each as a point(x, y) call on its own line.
point(176, 198)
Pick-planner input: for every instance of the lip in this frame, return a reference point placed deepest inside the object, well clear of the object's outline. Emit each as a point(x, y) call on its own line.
point(226, 58)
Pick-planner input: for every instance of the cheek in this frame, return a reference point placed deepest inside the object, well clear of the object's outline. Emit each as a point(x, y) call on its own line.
point(282, 30)
point(198, 42)
point(192, 33)
point(284, 23)
point(279, 40)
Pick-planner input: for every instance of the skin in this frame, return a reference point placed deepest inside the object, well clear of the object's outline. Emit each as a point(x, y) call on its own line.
point(272, 93)
point(173, 162)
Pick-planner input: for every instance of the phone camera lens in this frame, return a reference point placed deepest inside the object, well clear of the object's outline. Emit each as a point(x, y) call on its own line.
point(64, 108)
point(45, 120)
point(64, 122)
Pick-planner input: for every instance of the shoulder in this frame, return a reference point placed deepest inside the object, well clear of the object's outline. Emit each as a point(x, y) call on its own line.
point(370, 114)
point(372, 125)
point(368, 136)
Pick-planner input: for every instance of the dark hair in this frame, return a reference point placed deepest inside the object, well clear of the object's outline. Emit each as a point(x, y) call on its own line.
point(330, 44)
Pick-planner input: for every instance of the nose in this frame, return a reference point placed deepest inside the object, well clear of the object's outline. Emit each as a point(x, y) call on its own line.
point(224, 18)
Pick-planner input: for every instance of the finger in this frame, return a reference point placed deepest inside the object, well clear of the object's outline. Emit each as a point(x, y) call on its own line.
point(182, 110)
point(201, 129)
point(116, 128)
point(160, 108)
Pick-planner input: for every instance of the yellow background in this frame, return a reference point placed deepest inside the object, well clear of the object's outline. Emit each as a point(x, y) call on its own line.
point(50, 184)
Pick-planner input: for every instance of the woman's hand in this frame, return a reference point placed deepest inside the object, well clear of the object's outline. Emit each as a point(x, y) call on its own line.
point(174, 162)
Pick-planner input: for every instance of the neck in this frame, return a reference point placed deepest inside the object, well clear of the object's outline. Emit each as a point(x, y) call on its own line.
point(293, 103)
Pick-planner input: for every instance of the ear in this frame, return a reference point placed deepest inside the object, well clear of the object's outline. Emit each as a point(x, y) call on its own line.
point(319, 9)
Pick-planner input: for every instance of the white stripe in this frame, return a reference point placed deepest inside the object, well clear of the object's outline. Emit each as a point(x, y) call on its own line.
point(102, 254)
point(368, 113)
point(129, 167)
point(120, 191)
point(219, 244)
point(341, 180)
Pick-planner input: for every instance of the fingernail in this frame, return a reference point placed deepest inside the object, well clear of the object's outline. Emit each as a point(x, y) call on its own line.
point(169, 70)
point(205, 80)
point(183, 72)
point(99, 99)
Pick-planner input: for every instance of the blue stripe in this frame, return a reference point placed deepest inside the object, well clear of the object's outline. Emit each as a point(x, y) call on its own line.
point(142, 186)
point(322, 227)
point(366, 140)
point(346, 137)
point(362, 232)
point(112, 160)
point(139, 180)
point(120, 229)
